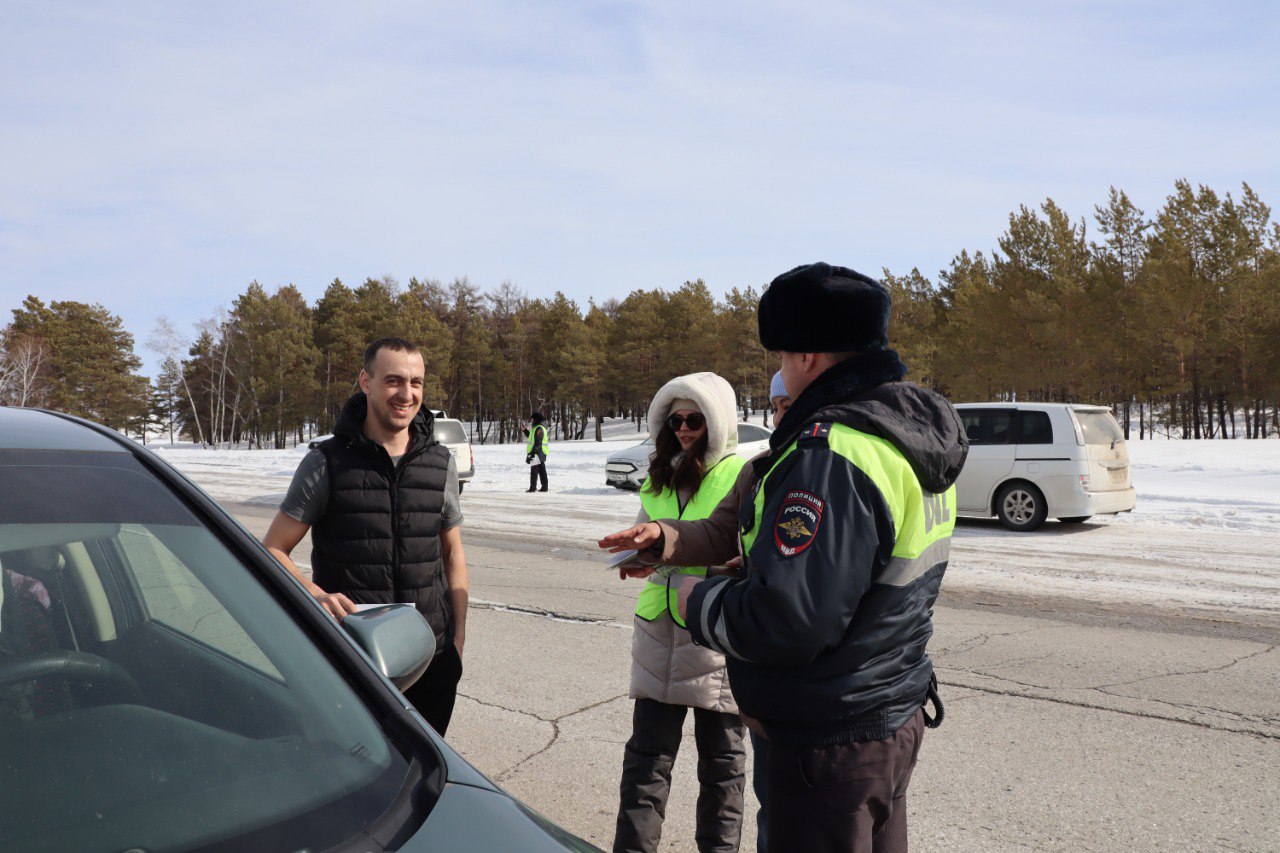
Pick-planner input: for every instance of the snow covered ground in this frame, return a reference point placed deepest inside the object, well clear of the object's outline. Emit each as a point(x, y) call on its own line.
point(1205, 536)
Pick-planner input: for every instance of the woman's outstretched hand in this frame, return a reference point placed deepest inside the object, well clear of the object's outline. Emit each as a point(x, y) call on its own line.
point(637, 537)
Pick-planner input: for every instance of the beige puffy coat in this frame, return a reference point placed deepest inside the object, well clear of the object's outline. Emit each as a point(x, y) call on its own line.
point(666, 665)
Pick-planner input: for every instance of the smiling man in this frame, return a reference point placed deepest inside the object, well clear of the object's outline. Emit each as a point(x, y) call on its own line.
point(381, 500)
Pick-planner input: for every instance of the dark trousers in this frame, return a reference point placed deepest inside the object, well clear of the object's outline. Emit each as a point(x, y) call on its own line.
point(759, 773)
point(656, 729)
point(435, 692)
point(536, 473)
point(849, 797)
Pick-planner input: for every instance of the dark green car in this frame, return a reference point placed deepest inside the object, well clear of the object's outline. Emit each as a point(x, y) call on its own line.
point(165, 685)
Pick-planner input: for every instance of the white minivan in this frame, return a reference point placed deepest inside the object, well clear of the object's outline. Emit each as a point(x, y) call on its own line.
point(1032, 461)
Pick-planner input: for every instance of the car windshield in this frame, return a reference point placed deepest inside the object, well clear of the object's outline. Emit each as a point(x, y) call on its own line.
point(450, 432)
point(153, 694)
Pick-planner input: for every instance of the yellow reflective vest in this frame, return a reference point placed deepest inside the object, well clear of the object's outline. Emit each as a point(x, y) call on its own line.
point(546, 444)
point(661, 594)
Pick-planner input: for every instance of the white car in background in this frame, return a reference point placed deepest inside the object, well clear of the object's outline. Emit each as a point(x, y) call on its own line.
point(1032, 461)
point(449, 432)
point(627, 469)
point(453, 435)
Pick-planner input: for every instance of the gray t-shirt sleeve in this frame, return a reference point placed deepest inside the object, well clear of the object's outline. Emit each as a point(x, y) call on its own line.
point(451, 512)
point(309, 492)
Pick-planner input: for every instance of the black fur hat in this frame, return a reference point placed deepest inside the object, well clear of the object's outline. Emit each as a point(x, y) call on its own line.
point(821, 308)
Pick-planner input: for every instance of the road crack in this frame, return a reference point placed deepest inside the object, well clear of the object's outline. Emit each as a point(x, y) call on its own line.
point(558, 616)
point(1174, 674)
point(555, 734)
point(1078, 703)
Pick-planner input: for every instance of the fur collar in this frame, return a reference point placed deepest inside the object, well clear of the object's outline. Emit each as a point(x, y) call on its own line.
point(718, 403)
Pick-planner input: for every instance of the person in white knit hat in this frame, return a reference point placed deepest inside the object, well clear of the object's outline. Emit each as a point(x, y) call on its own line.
point(693, 466)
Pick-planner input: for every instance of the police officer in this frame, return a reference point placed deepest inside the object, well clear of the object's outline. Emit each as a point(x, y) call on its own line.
point(536, 452)
point(845, 539)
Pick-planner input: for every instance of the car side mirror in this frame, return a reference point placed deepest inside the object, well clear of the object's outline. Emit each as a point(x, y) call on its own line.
point(396, 638)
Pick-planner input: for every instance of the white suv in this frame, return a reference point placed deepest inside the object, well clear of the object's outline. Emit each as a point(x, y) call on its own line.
point(453, 435)
point(1031, 461)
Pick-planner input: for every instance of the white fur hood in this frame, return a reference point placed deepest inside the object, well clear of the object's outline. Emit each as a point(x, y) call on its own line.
point(715, 397)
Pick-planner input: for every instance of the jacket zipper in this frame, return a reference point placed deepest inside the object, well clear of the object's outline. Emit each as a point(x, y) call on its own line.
point(396, 470)
point(395, 528)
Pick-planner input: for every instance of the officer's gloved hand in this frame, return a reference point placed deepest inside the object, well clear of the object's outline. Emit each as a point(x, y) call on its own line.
point(528, 459)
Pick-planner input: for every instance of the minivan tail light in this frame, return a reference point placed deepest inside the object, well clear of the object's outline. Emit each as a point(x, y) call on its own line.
point(1084, 482)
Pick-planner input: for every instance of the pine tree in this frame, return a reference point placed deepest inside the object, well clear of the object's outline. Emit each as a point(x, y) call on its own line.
point(88, 363)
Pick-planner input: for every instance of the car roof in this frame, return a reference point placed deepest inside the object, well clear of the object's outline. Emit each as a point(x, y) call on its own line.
point(36, 429)
point(1079, 407)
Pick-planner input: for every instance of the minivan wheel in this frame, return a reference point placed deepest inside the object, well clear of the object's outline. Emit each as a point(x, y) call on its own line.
point(1021, 507)
point(1075, 519)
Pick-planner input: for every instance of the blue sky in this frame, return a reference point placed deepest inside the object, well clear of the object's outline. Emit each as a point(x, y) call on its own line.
point(159, 156)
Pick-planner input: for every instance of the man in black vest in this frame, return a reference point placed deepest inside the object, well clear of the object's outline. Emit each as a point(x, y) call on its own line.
point(381, 500)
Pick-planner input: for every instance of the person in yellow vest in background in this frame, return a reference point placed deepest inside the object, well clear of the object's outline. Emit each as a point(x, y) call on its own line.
point(536, 452)
point(693, 466)
point(845, 534)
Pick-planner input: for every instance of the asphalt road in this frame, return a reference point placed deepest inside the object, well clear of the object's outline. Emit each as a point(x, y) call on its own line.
point(1071, 724)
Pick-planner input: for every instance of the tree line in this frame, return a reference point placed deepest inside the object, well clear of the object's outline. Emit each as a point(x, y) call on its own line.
point(1171, 319)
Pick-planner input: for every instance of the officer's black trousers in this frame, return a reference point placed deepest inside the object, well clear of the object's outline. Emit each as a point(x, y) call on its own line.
point(656, 730)
point(846, 797)
point(536, 473)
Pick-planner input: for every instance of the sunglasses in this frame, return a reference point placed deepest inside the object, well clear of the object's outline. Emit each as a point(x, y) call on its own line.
point(694, 421)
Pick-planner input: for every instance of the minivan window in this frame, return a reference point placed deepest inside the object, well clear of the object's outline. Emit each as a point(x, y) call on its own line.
point(1098, 427)
point(1034, 428)
point(450, 432)
point(988, 427)
point(195, 711)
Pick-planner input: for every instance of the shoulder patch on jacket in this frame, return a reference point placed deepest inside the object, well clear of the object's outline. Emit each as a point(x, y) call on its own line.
point(797, 522)
point(821, 429)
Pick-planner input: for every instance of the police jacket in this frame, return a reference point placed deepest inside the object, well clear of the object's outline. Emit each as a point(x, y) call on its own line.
point(378, 540)
point(845, 544)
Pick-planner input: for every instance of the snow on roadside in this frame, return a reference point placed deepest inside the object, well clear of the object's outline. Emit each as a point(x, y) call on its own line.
point(1205, 533)
point(1228, 484)
point(1233, 485)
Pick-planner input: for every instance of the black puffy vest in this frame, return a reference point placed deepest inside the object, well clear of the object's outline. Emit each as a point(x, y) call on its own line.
point(379, 538)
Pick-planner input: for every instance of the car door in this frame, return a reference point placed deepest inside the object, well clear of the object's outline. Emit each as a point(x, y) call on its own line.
point(1106, 452)
point(751, 439)
point(193, 707)
point(991, 452)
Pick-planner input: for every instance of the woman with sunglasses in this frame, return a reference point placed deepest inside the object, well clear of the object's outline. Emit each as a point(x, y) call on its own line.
point(693, 422)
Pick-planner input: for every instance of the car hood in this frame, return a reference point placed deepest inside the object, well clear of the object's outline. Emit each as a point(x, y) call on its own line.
point(637, 453)
point(466, 818)
point(475, 814)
